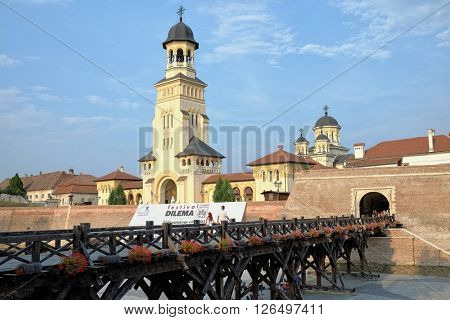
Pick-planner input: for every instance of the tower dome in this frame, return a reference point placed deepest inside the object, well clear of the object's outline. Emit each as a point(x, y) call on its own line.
point(322, 137)
point(326, 120)
point(180, 32)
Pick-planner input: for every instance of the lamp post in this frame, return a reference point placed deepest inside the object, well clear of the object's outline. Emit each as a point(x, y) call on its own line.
point(277, 185)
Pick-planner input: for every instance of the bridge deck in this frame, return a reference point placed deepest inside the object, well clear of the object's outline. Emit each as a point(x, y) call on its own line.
point(29, 260)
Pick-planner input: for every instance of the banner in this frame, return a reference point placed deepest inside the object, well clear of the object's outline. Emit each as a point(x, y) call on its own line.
point(185, 213)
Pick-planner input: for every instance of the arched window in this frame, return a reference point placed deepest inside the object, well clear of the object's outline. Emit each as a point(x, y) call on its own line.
point(207, 163)
point(180, 56)
point(197, 162)
point(164, 122)
point(171, 120)
point(145, 166)
point(248, 194)
point(183, 162)
point(188, 57)
point(277, 175)
point(237, 194)
point(270, 175)
point(263, 173)
point(196, 120)
point(149, 166)
point(171, 57)
point(189, 162)
point(202, 162)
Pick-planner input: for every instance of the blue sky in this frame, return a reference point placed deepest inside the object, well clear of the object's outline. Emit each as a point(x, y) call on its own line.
point(58, 111)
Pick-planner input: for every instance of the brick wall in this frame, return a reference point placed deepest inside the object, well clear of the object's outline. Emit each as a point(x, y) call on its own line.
point(38, 218)
point(419, 196)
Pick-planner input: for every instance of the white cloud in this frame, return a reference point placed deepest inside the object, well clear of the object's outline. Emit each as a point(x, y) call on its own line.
point(247, 28)
point(252, 28)
point(8, 62)
point(86, 120)
point(103, 102)
point(444, 38)
point(40, 88)
point(379, 21)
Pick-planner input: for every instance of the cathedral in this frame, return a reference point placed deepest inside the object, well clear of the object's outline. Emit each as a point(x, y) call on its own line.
point(183, 168)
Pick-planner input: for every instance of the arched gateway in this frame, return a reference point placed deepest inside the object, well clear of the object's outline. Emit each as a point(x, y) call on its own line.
point(168, 191)
point(373, 202)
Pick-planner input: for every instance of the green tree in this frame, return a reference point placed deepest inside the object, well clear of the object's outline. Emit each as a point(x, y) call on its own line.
point(15, 187)
point(117, 196)
point(223, 191)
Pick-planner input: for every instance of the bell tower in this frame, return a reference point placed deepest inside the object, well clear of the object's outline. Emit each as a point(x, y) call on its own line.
point(181, 157)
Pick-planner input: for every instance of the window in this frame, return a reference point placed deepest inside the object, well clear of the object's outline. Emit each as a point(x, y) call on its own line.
point(263, 176)
point(164, 122)
point(145, 166)
point(202, 162)
point(183, 162)
point(197, 162)
point(189, 162)
point(270, 175)
point(277, 175)
point(207, 163)
point(196, 121)
point(171, 120)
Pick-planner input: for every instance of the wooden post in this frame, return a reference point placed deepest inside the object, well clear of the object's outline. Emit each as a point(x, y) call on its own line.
point(149, 225)
point(317, 222)
point(36, 251)
point(167, 229)
point(76, 238)
point(85, 228)
point(263, 227)
point(294, 223)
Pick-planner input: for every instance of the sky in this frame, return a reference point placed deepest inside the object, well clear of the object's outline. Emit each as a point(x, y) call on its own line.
point(76, 77)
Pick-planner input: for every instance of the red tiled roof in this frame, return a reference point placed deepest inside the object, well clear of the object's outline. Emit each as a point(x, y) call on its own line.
point(132, 185)
point(280, 156)
point(405, 147)
point(232, 177)
point(355, 163)
point(77, 184)
point(118, 175)
point(43, 181)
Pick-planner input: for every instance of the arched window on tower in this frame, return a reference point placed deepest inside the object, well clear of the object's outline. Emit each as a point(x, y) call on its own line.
point(171, 57)
point(180, 56)
point(183, 162)
point(189, 162)
point(188, 57)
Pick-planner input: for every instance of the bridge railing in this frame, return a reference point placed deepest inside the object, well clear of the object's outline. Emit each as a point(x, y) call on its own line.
point(47, 247)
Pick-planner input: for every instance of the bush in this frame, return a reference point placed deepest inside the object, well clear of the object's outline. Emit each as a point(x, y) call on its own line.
point(190, 247)
point(328, 230)
point(73, 264)
point(297, 234)
point(225, 244)
point(223, 192)
point(314, 233)
point(117, 196)
point(255, 241)
point(140, 254)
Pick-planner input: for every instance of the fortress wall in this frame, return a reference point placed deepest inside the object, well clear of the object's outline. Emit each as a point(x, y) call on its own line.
point(419, 196)
point(41, 218)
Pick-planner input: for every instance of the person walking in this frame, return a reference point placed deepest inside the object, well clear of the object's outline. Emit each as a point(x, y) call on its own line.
point(209, 220)
point(223, 216)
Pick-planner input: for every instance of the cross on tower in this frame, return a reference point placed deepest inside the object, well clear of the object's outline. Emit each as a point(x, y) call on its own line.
point(180, 12)
point(301, 132)
point(326, 108)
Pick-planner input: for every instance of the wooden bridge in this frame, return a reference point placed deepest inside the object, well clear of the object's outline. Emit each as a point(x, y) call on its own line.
point(229, 261)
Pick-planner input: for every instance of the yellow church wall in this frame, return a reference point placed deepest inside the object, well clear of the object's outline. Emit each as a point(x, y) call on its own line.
point(208, 190)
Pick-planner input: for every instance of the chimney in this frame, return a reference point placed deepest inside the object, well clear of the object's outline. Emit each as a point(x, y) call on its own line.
point(121, 169)
point(358, 149)
point(71, 172)
point(430, 140)
point(280, 147)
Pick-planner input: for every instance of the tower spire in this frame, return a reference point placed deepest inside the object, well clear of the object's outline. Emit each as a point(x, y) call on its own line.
point(180, 12)
point(326, 108)
point(301, 132)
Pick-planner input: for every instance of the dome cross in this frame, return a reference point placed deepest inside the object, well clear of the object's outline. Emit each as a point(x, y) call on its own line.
point(180, 12)
point(326, 108)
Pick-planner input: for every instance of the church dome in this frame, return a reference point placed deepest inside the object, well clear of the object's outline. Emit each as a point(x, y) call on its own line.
point(326, 120)
point(180, 32)
point(322, 137)
point(301, 139)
